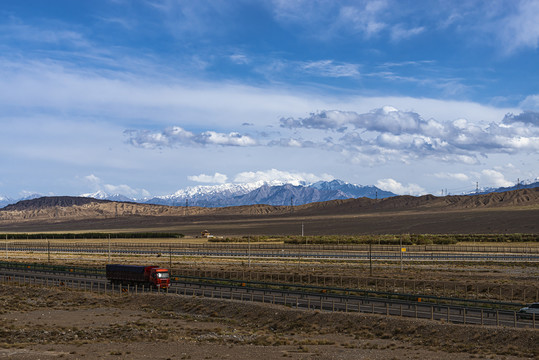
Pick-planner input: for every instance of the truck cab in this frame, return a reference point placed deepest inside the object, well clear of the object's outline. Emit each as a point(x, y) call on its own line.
point(159, 277)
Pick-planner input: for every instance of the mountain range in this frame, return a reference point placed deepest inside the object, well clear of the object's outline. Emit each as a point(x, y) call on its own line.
point(272, 193)
point(269, 194)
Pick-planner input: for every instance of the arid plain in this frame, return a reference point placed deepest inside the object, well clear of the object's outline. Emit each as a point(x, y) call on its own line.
point(50, 323)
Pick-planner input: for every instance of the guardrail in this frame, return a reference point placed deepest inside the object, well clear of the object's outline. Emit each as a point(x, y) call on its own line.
point(164, 247)
point(304, 301)
point(85, 271)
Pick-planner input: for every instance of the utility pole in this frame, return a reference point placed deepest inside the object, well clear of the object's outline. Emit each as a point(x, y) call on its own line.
point(186, 211)
point(401, 251)
point(370, 258)
point(249, 251)
point(109, 248)
point(48, 251)
point(477, 187)
point(302, 230)
point(169, 257)
point(518, 184)
point(7, 252)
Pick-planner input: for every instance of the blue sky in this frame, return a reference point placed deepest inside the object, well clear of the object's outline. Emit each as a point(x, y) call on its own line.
point(146, 97)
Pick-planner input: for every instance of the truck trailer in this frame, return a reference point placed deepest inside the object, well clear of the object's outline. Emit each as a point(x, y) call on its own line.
point(135, 274)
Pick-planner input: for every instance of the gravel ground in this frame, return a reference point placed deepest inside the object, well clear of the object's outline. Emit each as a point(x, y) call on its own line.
point(50, 323)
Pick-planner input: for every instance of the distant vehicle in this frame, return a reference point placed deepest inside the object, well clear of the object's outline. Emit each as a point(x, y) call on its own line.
point(528, 311)
point(142, 275)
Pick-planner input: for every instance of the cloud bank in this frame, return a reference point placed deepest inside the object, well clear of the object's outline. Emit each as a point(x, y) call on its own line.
point(391, 134)
point(177, 136)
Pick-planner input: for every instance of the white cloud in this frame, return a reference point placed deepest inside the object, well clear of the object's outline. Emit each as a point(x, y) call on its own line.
point(240, 59)
point(494, 178)
point(274, 175)
point(329, 68)
point(527, 117)
point(230, 139)
point(177, 136)
point(452, 176)
point(521, 28)
point(99, 185)
point(400, 32)
point(398, 188)
point(388, 129)
point(93, 179)
point(531, 102)
point(216, 178)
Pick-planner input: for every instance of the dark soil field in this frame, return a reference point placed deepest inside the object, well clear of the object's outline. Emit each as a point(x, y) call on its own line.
point(510, 212)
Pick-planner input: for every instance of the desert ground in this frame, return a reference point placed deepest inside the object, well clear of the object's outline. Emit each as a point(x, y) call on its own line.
point(51, 323)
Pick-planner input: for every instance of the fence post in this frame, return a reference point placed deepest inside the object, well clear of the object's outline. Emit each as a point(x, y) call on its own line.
point(481, 316)
point(448, 314)
point(432, 312)
point(533, 320)
point(464, 316)
point(372, 308)
point(497, 317)
point(387, 309)
point(514, 319)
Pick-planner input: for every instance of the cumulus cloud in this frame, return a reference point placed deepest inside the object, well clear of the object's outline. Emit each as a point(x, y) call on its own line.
point(177, 136)
point(527, 117)
point(325, 120)
point(494, 178)
point(279, 176)
point(230, 139)
point(398, 188)
point(452, 176)
point(404, 135)
point(100, 186)
point(216, 178)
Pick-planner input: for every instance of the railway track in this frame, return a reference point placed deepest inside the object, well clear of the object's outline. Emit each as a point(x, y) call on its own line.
point(273, 253)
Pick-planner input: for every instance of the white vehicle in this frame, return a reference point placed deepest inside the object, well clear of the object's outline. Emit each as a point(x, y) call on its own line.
point(528, 311)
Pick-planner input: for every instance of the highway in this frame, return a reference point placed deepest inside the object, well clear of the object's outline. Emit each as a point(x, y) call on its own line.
point(308, 299)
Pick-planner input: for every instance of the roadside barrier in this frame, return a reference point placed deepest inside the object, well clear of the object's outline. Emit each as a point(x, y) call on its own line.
point(318, 302)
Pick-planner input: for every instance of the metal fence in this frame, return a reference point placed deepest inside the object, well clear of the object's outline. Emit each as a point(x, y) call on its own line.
point(418, 310)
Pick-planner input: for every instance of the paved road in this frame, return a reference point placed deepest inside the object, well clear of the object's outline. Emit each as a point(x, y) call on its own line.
point(296, 299)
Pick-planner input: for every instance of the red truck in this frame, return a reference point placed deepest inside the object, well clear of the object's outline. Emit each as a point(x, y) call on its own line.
point(135, 274)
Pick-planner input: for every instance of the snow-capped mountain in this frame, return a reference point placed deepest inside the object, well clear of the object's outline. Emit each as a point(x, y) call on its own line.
point(272, 193)
point(275, 193)
point(101, 195)
point(4, 201)
point(526, 184)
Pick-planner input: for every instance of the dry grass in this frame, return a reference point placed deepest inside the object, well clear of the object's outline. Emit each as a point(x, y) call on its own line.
point(65, 320)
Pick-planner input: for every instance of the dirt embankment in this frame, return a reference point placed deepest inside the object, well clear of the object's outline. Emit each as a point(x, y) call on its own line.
point(47, 323)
